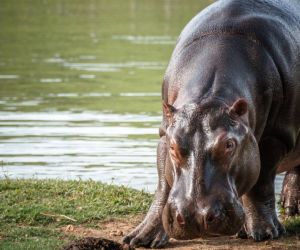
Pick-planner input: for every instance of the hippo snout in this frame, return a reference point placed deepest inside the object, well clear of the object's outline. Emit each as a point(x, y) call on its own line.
point(193, 220)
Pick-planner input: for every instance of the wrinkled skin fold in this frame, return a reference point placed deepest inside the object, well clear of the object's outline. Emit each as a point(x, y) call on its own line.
point(231, 122)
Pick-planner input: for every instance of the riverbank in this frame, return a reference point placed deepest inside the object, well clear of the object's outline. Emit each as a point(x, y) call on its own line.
point(50, 213)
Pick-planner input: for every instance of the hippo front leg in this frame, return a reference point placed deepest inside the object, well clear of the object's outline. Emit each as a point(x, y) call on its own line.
point(261, 219)
point(259, 203)
point(290, 194)
point(150, 232)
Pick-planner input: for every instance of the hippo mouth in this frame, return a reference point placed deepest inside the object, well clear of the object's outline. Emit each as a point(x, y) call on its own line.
point(195, 225)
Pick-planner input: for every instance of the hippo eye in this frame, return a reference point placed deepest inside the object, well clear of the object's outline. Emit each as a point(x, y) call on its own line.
point(176, 153)
point(230, 144)
point(173, 151)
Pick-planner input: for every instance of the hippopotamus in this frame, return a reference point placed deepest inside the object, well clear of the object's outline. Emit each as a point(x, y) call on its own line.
point(231, 122)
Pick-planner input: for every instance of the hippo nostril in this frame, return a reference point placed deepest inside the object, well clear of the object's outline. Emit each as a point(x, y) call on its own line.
point(180, 219)
point(210, 218)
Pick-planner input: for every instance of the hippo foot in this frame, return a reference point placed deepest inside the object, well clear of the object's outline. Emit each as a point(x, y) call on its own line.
point(290, 194)
point(262, 229)
point(147, 235)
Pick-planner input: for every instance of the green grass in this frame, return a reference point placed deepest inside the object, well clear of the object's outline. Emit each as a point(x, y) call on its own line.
point(292, 225)
point(26, 205)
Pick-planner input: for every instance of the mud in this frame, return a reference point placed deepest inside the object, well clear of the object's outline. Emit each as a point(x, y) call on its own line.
point(91, 243)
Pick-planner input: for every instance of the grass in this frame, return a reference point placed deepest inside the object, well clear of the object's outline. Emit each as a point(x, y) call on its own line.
point(292, 225)
point(31, 211)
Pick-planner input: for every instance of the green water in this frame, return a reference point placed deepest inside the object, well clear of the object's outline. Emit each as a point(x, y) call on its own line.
point(87, 48)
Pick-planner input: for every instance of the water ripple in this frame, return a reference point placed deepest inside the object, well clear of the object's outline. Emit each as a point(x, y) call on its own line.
point(80, 145)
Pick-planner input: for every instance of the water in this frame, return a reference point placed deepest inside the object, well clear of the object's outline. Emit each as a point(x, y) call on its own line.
point(87, 145)
point(80, 87)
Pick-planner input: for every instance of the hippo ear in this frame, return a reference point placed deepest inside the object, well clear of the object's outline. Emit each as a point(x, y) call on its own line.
point(239, 107)
point(169, 110)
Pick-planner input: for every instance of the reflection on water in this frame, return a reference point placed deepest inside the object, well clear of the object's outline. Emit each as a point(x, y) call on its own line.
point(80, 145)
point(140, 94)
point(101, 67)
point(87, 76)
point(49, 80)
point(147, 39)
point(112, 67)
point(8, 77)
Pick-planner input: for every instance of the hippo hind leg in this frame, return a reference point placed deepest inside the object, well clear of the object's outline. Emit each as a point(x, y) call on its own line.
point(290, 194)
point(150, 232)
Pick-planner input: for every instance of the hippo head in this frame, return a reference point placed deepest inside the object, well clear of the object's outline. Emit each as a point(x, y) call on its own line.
point(215, 160)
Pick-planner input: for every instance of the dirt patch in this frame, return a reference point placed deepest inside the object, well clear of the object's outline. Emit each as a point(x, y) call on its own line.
point(90, 243)
point(116, 229)
point(112, 229)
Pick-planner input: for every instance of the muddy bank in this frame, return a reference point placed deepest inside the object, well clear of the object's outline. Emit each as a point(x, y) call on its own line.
point(116, 229)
